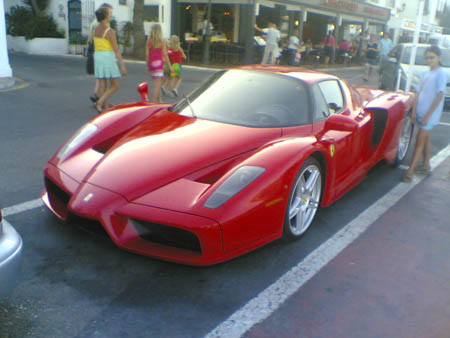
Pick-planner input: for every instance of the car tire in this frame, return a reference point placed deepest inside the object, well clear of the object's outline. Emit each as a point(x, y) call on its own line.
point(404, 140)
point(304, 200)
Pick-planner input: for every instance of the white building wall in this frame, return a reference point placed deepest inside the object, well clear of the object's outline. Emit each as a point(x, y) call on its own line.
point(122, 13)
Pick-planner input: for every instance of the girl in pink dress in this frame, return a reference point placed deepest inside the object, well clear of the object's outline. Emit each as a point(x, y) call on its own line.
point(155, 56)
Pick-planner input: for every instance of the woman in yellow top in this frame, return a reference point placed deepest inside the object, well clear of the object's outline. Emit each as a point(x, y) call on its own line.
point(106, 55)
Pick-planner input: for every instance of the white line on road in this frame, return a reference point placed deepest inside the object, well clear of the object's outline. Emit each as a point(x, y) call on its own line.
point(18, 208)
point(270, 299)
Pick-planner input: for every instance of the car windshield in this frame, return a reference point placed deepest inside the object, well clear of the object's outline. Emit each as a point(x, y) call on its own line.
point(249, 98)
point(420, 56)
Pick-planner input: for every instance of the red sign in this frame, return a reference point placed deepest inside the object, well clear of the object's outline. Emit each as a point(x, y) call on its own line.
point(342, 4)
point(376, 11)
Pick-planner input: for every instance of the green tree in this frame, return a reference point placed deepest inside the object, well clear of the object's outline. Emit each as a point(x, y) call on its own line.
point(37, 5)
point(138, 29)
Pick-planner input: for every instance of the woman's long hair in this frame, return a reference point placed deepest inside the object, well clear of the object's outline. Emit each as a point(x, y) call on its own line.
point(156, 35)
point(174, 42)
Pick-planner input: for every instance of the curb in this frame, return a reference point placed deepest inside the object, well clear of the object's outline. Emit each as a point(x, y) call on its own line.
point(210, 69)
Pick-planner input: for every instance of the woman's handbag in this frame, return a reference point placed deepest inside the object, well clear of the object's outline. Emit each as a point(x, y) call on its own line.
point(90, 58)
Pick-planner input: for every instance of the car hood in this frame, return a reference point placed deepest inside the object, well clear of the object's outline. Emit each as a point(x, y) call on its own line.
point(168, 146)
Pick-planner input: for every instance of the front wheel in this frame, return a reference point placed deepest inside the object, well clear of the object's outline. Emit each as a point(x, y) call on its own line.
point(304, 199)
point(404, 140)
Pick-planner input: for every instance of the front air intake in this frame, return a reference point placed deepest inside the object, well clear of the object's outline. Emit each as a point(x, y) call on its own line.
point(166, 235)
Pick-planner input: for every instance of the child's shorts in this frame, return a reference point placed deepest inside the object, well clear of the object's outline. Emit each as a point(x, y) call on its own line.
point(427, 126)
point(176, 70)
point(166, 70)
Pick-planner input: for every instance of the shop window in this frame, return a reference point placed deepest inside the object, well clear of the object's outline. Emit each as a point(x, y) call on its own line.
point(122, 2)
point(151, 13)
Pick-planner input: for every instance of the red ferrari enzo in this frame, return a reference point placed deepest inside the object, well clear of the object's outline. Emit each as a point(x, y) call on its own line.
point(246, 158)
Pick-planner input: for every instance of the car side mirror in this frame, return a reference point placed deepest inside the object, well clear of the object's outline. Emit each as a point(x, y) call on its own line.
point(143, 90)
point(334, 106)
point(341, 123)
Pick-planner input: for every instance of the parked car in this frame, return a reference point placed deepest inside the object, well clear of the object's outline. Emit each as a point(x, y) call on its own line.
point(246, 158)
point(10, 257)
point(398, 62)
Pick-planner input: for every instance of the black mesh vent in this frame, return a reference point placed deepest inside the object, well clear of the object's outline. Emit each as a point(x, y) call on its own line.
point(379, 125)
point(56, 191)
point(166, 235)
point(87, 224)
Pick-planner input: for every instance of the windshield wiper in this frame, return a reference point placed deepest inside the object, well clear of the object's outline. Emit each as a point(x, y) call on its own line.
point(190, 106)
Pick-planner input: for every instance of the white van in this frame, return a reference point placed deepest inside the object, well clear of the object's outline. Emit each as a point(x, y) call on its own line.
point(398, 62)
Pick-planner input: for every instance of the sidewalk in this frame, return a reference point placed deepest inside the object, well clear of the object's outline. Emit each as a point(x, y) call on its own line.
point(393, 281)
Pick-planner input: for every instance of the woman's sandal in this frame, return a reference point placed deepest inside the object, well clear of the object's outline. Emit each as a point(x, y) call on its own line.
point(97, 108)
point(407, 178)
point(94, 98)
point(423, 170)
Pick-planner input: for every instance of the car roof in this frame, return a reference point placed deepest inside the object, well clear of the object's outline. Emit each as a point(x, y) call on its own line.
point(307, 75)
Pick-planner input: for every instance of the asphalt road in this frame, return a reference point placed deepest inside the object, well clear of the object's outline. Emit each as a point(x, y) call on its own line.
point(79, 284)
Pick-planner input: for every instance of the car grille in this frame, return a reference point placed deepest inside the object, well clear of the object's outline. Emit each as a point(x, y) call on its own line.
point(166, 235)
point(87, 224)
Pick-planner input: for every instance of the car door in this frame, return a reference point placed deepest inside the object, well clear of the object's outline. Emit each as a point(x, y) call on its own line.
point(336, 125)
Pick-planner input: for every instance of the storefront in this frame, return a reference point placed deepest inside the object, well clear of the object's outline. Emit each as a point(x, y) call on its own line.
point(233, 20)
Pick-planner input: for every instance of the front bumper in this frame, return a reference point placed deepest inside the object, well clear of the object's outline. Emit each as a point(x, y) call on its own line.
point(155, 232)
point(10, 258)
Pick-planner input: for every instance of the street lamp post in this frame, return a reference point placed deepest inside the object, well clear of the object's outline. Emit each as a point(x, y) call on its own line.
point(412, 58)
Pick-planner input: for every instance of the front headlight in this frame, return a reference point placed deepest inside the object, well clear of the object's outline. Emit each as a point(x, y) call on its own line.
point(79, 137)
point(233, 184)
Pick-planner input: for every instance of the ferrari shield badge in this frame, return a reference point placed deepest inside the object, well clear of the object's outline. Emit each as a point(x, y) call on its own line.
point(88, 197)
point(332, 150)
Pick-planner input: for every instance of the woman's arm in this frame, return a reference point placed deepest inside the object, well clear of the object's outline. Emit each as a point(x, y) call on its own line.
point(111, 36)
point(430, 111)
point(147, 50)
point(182, 53)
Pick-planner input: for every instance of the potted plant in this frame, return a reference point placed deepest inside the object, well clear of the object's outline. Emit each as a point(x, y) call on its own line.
point(77, 43)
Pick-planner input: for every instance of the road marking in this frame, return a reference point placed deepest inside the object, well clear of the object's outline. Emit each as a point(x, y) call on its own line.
point(270, 299)
point(22, 207)
point(16, 87)
point(444, 124)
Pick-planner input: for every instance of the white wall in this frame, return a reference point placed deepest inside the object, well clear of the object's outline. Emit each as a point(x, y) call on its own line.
point(121, 13)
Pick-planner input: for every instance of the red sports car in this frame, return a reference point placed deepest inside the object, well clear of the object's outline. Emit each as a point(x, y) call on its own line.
point(246, 158)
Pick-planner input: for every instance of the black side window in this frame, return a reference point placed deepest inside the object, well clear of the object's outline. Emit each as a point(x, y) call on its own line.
point(331, 90)
point(321, 111)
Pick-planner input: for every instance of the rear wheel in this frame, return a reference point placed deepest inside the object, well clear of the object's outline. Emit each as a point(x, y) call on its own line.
point(303, 200)
point(404, 140)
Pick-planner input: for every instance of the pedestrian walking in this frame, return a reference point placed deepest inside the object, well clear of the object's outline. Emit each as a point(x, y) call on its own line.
point(371, 57)
point(427, 111)
point(90, 48)
point(176, 56)
point(294, 44)
point(329, 47)
point(272, 38)
point(155, 56)
point(106, 55)
point(385, 47)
